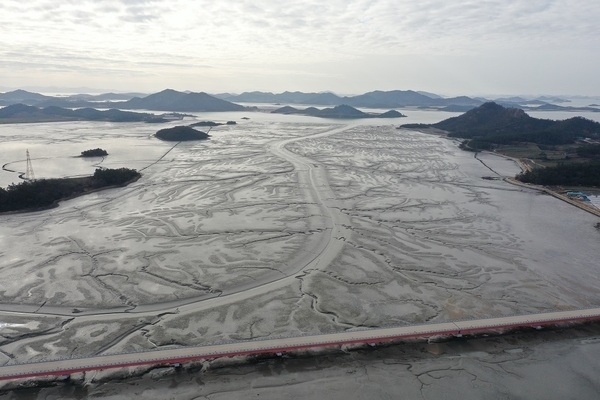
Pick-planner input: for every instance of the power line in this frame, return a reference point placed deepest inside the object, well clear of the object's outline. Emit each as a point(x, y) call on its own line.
point(29, 175)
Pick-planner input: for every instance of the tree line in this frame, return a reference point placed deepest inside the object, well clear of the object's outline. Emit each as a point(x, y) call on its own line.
point(584, 174)
point(44, 193)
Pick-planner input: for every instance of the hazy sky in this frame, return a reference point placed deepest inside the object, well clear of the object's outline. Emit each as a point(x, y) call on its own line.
point(346, 46)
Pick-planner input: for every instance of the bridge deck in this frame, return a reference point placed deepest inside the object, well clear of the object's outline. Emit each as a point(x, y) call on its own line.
point(185, 354)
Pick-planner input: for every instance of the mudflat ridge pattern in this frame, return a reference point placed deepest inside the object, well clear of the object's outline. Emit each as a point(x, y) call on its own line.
point(280, 228)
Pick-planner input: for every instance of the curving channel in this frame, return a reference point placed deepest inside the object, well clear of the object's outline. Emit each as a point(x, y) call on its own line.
point(321, 252)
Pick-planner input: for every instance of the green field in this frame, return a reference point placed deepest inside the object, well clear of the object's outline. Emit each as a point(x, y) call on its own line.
point(543, 155)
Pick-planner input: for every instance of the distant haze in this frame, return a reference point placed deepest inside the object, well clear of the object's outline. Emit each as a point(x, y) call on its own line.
point(349, 46)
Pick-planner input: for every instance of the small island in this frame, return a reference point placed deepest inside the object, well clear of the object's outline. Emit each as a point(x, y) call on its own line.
point(94, 153)
point(46, 193)
point(212, 123)
point(180, 134)
point(205, 123)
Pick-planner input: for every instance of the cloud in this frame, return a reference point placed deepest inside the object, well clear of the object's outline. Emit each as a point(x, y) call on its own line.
point(235, 35)
point(354, 27)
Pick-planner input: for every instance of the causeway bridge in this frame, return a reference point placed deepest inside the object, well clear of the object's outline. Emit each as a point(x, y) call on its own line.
point(62, 367)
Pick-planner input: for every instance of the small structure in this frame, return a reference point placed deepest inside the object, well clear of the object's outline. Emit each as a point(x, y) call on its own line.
point(29, 175)
point(578, 196)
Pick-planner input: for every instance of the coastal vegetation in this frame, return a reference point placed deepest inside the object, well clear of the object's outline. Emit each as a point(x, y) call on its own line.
point(586, 174)
point(589, 151)
point(46, 193)
point(181, 133)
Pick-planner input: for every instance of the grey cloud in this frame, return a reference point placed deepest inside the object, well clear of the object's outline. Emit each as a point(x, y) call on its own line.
point(107, 9)
point(138, 2)
point(138, 17)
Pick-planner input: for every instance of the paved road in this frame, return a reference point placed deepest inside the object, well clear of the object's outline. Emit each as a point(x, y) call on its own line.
point(179, 355)
point(312, 177)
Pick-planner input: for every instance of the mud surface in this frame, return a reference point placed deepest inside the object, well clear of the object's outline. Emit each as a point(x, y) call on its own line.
point(275, 226)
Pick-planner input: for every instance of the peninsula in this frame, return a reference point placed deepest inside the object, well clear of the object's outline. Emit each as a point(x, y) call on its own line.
point(47, 193)
point(21, 113)
point(565, 152)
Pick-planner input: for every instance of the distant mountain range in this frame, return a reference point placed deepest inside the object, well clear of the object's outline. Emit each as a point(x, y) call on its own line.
point(342, 111)
point(172, 100)
point(376, 99)
point(21, 96)
point(18, 113)
point(167, 100)
point(75, 100)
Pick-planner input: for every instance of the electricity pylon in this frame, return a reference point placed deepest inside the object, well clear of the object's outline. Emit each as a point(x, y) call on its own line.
point(29, 175)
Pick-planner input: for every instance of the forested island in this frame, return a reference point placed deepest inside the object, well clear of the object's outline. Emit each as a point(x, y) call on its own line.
point(212, 123)
point(181, 133)
point(46, 193)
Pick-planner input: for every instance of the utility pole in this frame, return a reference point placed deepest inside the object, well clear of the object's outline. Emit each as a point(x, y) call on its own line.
point(29, 175)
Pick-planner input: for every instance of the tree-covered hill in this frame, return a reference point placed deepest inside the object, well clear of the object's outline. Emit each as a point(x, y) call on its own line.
point(44, 193)
point(181, 133)
point(494, 124)
point(494, 127)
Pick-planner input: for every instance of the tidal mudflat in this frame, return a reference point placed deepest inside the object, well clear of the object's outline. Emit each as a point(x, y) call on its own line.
point(276, 227)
